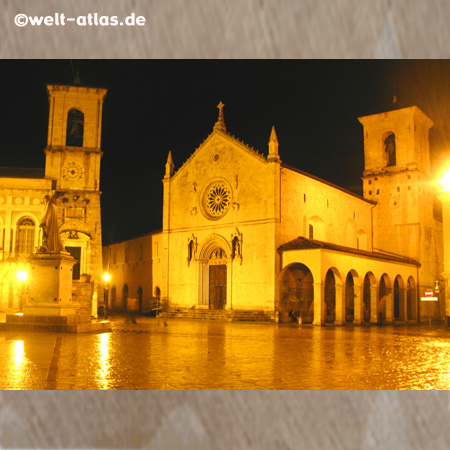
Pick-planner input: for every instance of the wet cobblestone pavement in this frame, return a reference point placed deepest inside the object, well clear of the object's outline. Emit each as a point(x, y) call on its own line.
point(182, 354)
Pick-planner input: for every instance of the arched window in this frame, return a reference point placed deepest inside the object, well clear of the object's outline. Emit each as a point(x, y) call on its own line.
point(26, 229)
point(389, 148)
point(75, 128)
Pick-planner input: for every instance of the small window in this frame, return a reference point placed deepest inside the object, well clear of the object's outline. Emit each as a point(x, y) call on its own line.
point(311, 231)
point(127, 254)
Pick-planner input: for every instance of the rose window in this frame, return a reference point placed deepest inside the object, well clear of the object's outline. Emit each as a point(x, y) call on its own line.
point(217, 200)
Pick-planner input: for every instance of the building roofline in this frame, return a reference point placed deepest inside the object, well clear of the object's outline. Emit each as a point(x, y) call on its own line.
point(328, 183)
point(134, 238)
point(302, 243)
point(31, 173)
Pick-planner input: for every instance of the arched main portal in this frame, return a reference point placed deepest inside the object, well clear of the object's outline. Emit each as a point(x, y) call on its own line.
point(214, 274)
point(296, 294)
point(217, 279)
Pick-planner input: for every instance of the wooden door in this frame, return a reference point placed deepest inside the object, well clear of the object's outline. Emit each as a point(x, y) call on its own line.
point(217, 286)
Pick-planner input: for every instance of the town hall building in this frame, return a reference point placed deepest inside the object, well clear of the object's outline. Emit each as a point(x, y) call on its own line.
point(72, 178)
point(246, 236)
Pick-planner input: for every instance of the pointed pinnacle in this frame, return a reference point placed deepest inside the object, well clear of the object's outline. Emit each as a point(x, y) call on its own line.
point(273, 136)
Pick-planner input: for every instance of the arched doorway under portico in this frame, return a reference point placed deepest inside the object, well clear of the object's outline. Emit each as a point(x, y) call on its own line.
point(296, 294)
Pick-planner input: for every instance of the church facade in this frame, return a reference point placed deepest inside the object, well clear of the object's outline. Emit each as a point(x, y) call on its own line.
point(243, 232)
point(72, 177)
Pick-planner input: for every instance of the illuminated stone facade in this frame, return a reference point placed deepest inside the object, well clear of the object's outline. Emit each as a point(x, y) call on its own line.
point(243, 232)
point(72, 171)
point(131, 265)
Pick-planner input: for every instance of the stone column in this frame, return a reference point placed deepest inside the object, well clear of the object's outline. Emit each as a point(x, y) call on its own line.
point(340, 305)
point(319, 304)
point(358, 316)
point(390, 306)
point(373, 304)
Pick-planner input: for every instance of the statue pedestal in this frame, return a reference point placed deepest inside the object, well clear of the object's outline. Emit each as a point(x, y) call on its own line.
point(50, 288)
point(50, 306)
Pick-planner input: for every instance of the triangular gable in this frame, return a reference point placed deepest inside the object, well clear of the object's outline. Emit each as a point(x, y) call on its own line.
point(228, 137)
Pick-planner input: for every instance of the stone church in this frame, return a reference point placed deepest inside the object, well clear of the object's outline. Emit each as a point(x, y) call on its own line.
point(246, 236)
point(72, 176)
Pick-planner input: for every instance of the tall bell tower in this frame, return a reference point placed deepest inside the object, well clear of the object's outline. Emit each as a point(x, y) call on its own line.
point(398, 178)
point(73, 155)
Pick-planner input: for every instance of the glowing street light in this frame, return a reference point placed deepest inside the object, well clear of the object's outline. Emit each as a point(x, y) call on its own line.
point(106, 277)
point(22, 275)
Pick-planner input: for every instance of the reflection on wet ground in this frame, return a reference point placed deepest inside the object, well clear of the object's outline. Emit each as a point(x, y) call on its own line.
point(182, 354)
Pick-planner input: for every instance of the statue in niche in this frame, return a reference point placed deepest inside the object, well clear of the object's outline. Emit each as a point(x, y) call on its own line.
point(389, 147)
point(51, 241)
point(236, 245)
point(236, 248)
point(192, 248)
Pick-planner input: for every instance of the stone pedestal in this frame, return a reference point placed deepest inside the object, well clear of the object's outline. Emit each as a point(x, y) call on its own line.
point(50, 286)
point(50, 306)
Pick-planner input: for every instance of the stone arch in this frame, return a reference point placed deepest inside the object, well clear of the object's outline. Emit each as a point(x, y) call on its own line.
point(210, 244)
point(369, 303)
point(399, 298)
point(411, 299)
point(333, 296)
point(75, 128)
point(75, 226)
point(296, 299)
point(384, 310)
point(214, 275)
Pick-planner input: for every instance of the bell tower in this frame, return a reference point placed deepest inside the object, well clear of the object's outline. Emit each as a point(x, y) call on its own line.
point(398, 178)
point(73, 155)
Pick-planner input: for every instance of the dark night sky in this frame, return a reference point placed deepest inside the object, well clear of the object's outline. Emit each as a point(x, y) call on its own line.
point(156, 106)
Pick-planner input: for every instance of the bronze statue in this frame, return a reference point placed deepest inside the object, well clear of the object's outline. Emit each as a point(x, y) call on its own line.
point(51, 241)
